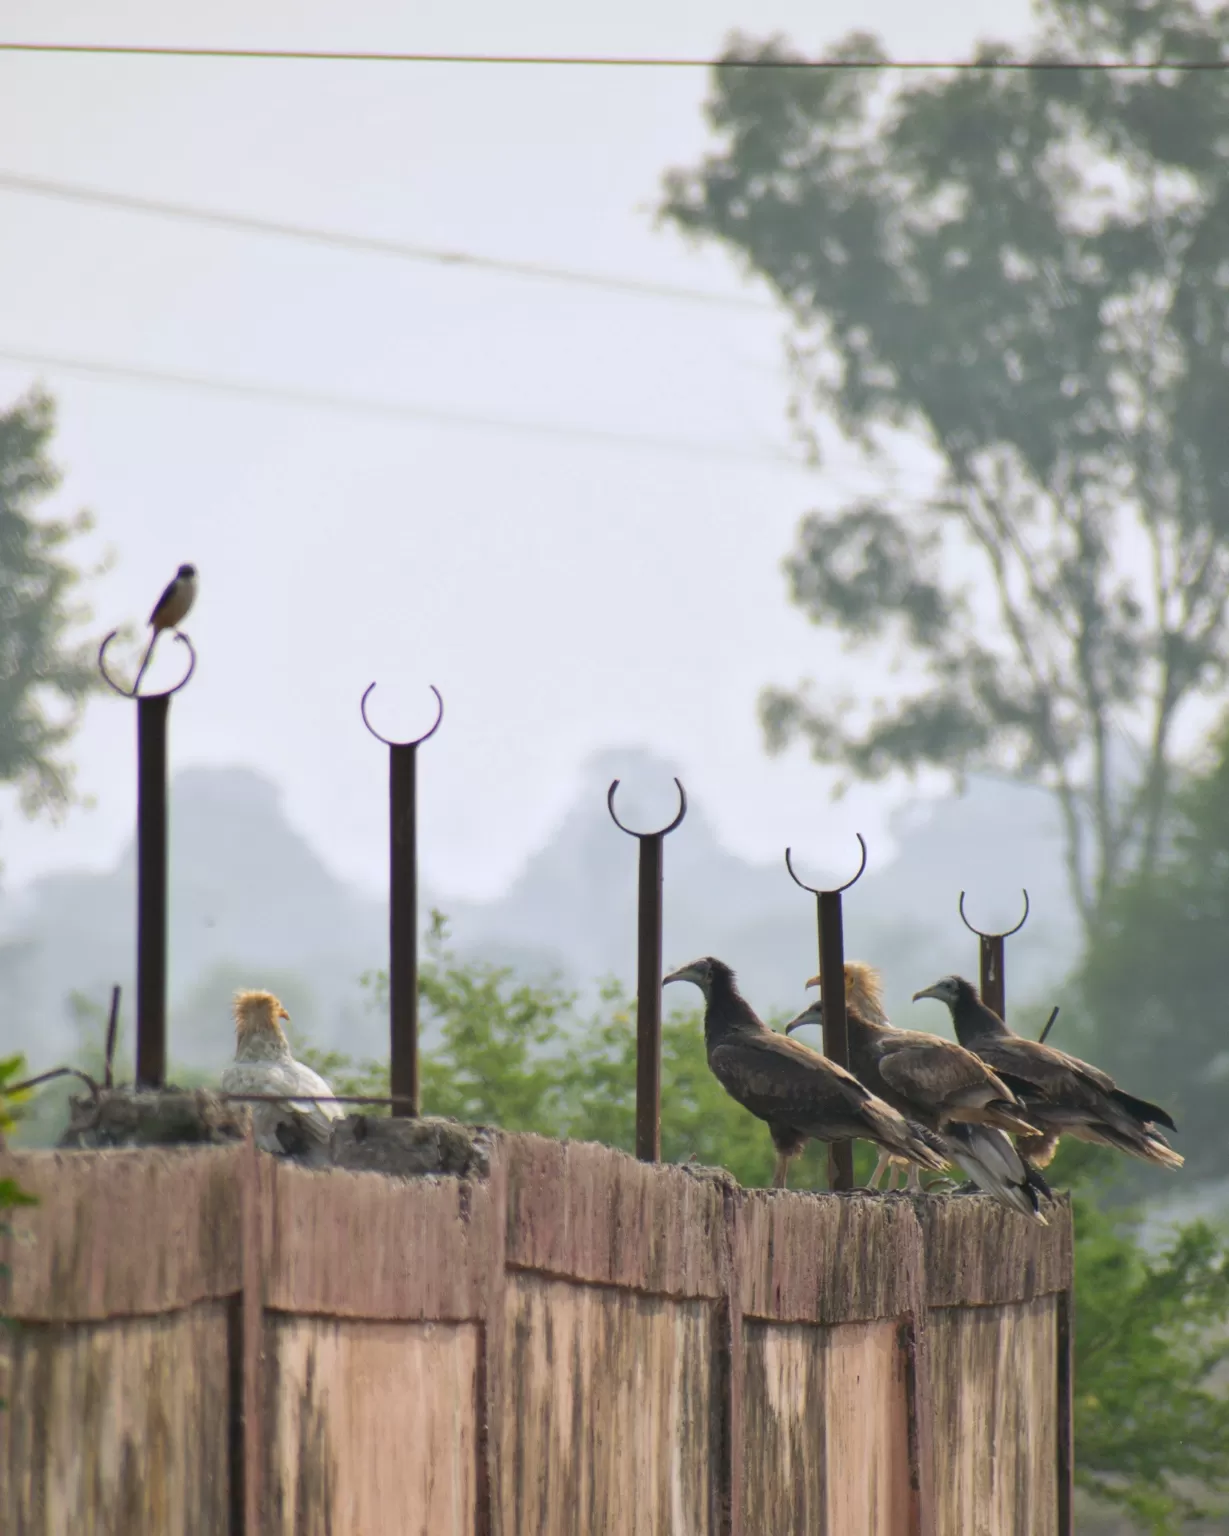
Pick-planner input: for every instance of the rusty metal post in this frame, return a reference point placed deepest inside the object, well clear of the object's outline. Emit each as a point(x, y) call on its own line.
point(648, 979)
point(830, 923)
point(152, 716)
point(403, 925)
point(151, 890)
point(992, 982)
point(403, 910)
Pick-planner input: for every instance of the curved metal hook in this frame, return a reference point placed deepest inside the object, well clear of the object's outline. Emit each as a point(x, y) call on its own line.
point(418, 740)
point(982, 935)
point(129, 693)
point(682, 811)
point(837, 891)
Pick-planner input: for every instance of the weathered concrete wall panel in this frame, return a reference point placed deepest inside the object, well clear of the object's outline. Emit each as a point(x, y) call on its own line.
point(994, 1387)
point(370, 1428)
point(85, 1250)
point(612, 1409)
point(826, 1411)
point(119, 1427)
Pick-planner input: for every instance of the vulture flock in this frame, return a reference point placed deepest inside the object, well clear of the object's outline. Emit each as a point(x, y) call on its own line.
point(925, 1102)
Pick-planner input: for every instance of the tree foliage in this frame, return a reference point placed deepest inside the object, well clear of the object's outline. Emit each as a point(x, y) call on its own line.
point(1153, 982)
point(1024, 271)
point(39, 664)
point(1151, 1345)
point(12, 1196)
point(498, 1050)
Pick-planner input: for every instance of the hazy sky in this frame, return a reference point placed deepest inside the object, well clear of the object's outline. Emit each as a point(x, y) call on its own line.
point(565, 593)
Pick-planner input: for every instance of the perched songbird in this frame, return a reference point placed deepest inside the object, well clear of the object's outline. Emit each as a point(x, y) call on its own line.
point(170, 611)
point(940, 1085)
point(1062, 1095)
point(173, 606)
point(797, 1092)
point(263, 1064)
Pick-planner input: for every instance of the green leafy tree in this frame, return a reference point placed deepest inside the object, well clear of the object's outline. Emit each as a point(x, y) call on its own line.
point(39, 664)
point(12, 1196)
point(1153, 982)
point(500, 1051)
point(1024, 272)
point(1151, 1344)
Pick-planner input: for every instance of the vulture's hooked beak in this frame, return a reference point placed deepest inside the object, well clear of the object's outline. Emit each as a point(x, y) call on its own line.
point(814, 981)
point(814, 1014)
point(928, 992)
point(282, 1014)
point(684, 973)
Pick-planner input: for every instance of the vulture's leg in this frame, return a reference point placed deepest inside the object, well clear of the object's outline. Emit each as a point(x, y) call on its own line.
point(781, 1172)
point(915, 1179)
point(884, 1162)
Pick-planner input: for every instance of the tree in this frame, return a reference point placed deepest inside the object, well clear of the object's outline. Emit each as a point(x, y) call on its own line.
point(1153, 982)
point(12, 1196)
point(38, 663)
point(1025, 272)
point(1151, 1424)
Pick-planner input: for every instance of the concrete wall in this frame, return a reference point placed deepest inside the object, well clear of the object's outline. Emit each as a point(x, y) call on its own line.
point(215, 1343)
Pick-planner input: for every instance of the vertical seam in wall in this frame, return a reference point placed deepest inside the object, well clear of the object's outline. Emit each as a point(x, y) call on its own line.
point(735, 1345)
point(251, 1341)
point(490, 1405)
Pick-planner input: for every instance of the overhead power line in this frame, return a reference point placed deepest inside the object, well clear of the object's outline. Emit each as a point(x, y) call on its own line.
point(367, 244)
point(594, 61)
point(122, 373)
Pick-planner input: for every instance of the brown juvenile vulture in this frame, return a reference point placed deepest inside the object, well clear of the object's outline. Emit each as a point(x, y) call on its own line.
point(1063, 1095)
point(940, 1085)
point(798, 1093)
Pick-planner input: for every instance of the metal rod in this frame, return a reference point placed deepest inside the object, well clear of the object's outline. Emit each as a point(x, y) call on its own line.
point(830, 923)
point(836, 1022)
point(403, 909)
point(1049, 1024)
point(993, 986)
point(112, 1031)
point(648, 1002)
point(151, 890)
point(648, 977)
point(152, 712)
point(403, 927)
point(310, 1098)
point(991, 959)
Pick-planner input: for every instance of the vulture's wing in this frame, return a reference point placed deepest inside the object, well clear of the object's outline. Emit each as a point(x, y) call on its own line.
point(1041, 1073)
point(934, 1071)
point(778, 1078)
point(293, 1077)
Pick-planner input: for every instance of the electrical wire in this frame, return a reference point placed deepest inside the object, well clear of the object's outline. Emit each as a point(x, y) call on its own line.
point(359, 405)
point(36, 186)
point(594, 61)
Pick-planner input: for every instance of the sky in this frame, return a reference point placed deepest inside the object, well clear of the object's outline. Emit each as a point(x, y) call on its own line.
point(567, 581)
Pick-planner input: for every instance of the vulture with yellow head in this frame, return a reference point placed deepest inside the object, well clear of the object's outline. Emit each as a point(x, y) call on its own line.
point(264, 1064)
point(940, 1085)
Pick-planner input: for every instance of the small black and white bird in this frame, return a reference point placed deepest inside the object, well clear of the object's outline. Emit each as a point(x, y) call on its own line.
point(171, 609)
